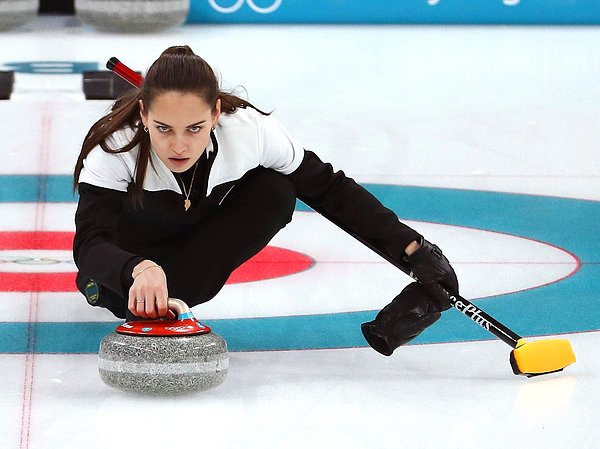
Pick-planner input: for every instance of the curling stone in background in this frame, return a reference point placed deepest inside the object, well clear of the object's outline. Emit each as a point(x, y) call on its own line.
point(164, 356)
point(14, 13)
point(133, 16)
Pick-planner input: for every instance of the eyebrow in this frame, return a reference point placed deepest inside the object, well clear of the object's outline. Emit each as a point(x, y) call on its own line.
point(188, 126)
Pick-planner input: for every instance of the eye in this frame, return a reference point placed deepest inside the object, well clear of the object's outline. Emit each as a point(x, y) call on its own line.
point(162, 129)
point(195, 129)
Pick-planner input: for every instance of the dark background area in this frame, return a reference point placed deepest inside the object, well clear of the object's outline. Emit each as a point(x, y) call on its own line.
point(57, 7)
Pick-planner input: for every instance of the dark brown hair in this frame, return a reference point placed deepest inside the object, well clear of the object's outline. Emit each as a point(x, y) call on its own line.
point(177, 69)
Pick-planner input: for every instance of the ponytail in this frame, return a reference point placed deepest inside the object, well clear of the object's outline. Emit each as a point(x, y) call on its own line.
point(177, 69)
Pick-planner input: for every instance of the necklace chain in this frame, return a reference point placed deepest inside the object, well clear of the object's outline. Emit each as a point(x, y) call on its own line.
point(187, 203)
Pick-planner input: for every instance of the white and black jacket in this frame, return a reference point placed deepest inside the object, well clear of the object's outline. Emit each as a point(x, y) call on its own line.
point(111, 234)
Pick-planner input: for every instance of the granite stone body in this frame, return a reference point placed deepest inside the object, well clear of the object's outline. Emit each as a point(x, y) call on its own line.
point(163, 365)
point(133, 16)
point(14, 13)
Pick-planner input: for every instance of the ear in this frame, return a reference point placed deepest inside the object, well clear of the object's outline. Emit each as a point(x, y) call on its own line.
point(143, 114)
point(216, 113)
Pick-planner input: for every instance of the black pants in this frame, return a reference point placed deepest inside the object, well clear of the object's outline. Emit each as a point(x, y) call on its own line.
point(252, 213)
point(199, 264)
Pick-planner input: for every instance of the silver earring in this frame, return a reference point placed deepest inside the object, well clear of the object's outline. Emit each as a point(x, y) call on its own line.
point(213, 128)
point(145, 129)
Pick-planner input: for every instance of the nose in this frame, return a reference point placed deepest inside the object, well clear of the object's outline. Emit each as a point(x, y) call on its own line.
point(179, 145)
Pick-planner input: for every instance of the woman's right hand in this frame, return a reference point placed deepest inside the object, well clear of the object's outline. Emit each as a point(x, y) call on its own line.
point(432, 269)
point(148, 295)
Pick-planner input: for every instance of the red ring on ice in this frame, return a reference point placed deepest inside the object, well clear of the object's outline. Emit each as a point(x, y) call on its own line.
point(272, 262)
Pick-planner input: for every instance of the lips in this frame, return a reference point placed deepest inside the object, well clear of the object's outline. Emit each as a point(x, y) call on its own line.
point(179, 164)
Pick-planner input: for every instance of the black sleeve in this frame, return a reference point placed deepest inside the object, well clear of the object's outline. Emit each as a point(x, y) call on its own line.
point(94, 251)
point(350, 206)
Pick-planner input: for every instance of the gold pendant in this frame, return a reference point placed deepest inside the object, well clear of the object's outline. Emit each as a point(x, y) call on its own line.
point(187, 203)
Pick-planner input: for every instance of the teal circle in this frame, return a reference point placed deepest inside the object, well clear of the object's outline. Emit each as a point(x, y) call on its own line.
point(568, 306)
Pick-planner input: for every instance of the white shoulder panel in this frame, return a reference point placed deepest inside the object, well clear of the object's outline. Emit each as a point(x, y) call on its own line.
point(110, 170)
point(248, 139)
point(278, 149)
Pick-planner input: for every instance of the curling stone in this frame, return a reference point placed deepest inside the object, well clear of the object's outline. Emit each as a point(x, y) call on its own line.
point(14, 13)
point(163, 357)
point(133, 16)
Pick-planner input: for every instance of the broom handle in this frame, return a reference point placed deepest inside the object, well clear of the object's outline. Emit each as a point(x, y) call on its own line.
point(458, 302)
point(116, 66)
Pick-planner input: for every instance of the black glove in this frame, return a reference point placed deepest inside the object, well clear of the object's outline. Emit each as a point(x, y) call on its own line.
point(431, 268)
point(409, 314)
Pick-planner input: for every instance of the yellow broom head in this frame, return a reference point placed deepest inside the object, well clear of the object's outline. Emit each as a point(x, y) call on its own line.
point(541, 357)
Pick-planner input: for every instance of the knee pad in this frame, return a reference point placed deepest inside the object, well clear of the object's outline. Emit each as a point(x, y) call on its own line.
point(409, 314)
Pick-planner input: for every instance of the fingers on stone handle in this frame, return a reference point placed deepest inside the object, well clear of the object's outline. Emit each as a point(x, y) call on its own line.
point(162, 304)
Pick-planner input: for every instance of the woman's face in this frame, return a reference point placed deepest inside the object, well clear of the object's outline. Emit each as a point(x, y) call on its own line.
point(179, 125)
